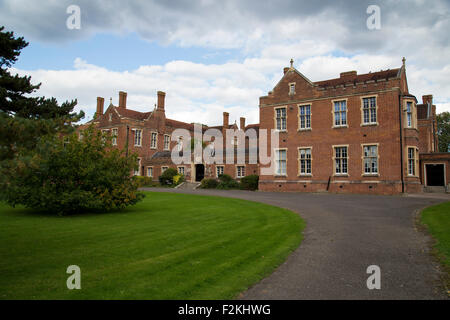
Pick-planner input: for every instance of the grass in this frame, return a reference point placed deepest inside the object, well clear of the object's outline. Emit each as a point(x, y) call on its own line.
point(437, 220)
point(169, 246)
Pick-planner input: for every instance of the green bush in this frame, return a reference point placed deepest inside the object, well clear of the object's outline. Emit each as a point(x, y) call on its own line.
point(225, 178)
point(249, 182)
point(166, 178)
point(66, 175)
point(209, 184)
point(228, 185)
point(144, 181)
point(226, 182)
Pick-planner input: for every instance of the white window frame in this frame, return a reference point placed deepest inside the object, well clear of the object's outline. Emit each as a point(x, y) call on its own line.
point(342, 161)
point(164, 168)
point(166, 142)
point(292, 88)
point(114, 135)
point(414, 168)
point(371, 121)
point(376, 158)
point(153, 143)
point(278, 171)
point(180, 144)
point(340, 112)
point(150, 170)
point(280, 128)
point(137, 142)
point(305, 116)
point(240, 171)
point(220, 168)
point(305, 160)
point(104, 133)
point(180, 169)
point(411, 115)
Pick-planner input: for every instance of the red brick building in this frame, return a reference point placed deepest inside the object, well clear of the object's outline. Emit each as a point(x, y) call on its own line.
point(355, 133)
point(149, 134)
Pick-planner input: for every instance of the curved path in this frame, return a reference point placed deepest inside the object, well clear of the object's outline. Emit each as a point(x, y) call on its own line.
point(344, 235)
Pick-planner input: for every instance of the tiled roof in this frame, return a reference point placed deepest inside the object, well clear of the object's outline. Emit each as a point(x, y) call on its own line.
point(179, 124)
point(161, 154)
point(375, 76)
point(132, 114)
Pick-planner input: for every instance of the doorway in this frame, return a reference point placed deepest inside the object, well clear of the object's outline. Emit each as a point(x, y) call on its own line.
point(199, 172)
point(435, 174)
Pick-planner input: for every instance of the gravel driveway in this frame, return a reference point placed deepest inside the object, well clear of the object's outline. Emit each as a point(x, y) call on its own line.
point(344, 235)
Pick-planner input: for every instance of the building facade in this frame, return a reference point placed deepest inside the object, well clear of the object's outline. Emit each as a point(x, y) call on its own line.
point(151, 136)
point(359, 133)
point(355, 133)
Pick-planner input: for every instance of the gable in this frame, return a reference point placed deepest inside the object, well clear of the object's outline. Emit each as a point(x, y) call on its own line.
point(303, 86)
point(293, 75)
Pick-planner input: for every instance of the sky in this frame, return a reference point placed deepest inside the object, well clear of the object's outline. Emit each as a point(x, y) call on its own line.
point(214, 56)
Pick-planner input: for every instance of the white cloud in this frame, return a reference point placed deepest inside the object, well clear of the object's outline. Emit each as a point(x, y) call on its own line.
point(200, 93)
point(325, 38)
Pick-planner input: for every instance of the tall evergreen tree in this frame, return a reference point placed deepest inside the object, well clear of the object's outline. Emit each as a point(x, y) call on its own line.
point(25, 118)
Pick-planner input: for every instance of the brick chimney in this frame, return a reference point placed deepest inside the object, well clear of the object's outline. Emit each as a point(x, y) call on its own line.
point(348, 75)
point(226, 117)
point(242, 124)
point(122, 99)
point(100, 104)
point(427, 98)
point(161, 102)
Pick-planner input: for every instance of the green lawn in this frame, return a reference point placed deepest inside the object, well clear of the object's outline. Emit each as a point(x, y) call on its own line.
point(169, 246)
point(437, 219)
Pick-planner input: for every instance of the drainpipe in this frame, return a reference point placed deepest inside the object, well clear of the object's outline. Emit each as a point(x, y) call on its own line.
point(126, 143)
point(401, 140)
point(433, 119)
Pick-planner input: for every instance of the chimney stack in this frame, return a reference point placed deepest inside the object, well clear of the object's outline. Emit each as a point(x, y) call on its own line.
point(427, 98)
point(122, 99)
point(226, 117)
point(161, 97)
point(100, 103)
point(348, 75)
point(242, 124)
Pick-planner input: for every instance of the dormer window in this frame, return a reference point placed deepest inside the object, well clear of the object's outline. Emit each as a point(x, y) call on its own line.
point(110, 117)
point(292, 88)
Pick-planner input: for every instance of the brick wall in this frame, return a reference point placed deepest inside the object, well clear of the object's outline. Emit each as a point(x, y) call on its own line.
point(323, 136)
